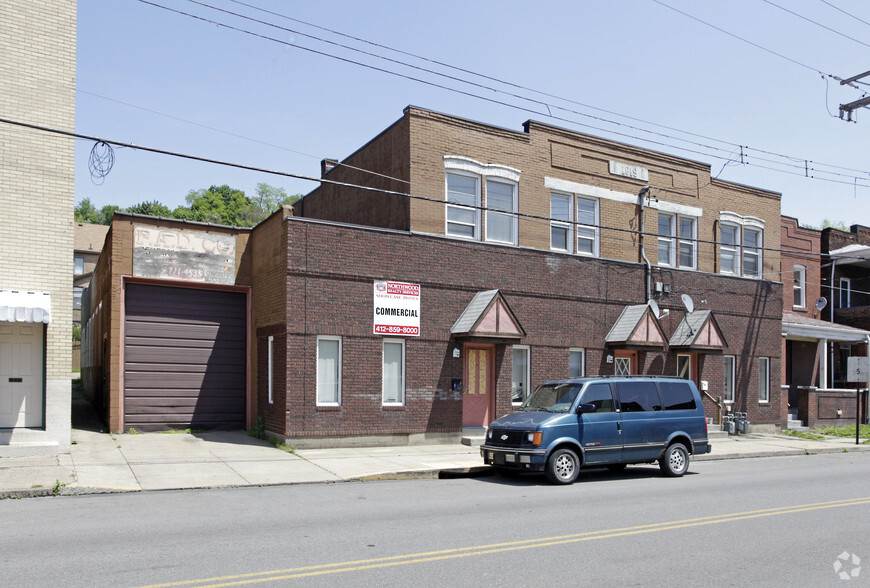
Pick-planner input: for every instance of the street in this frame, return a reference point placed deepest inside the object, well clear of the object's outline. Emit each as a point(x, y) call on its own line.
point(767, 521)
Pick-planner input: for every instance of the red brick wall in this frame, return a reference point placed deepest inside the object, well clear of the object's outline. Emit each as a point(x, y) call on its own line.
point(562, 301)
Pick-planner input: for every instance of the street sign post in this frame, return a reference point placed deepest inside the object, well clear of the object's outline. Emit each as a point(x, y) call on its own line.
point(858, 370)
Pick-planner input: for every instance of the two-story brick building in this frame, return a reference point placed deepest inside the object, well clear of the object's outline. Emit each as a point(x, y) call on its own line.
point(438, 274)
point(815, 348)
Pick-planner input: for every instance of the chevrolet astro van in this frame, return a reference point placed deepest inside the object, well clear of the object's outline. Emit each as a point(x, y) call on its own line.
point(609, 421)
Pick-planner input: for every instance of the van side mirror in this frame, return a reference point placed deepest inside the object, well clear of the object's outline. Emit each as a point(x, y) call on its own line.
point(586, 408)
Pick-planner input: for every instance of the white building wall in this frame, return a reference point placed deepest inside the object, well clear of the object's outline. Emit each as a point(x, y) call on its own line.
point(37, 86)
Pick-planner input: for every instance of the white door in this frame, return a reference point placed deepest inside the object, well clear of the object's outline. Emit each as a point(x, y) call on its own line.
point(20, 375)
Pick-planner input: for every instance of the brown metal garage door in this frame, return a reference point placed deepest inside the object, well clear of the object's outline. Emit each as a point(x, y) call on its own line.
point(184, 358)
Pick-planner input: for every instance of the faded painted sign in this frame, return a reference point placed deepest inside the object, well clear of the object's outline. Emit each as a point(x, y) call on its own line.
point(192, 256)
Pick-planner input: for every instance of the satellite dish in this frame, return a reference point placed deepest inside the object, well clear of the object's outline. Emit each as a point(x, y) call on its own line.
point(821, 303)
point(654, 306)
point(688, 303)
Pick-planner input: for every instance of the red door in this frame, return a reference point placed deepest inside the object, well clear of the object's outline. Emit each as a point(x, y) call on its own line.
point(477, 396)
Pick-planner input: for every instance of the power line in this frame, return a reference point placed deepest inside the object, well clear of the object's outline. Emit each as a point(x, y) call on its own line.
point(818, 24)
point(702, 151)
point(844, 12)
point(517, 214)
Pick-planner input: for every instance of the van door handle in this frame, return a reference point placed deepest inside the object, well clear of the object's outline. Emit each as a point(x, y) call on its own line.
point(619, 426)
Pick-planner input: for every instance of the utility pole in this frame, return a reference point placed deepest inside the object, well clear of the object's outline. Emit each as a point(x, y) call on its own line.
point(852, 106)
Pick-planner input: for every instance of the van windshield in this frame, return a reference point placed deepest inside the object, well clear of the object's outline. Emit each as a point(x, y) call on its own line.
point(552, 398)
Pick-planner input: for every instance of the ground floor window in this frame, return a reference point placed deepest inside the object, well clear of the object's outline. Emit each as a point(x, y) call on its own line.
point(271, 348)
point(576, 363)
point(728, 388)
point(684, 367)
point(623, 366)
point(764, 379)
point(394, 372)
point(329, 371)
point(520, 379)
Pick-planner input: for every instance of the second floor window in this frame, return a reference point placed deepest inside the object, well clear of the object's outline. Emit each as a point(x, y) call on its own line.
point(845, 293)
point(800, 286)
point(752, 253)
point(587, 226)
point(561, 226)
point(741, 242)
point(574, 224)
point(501, 205)
point(463, 194)
point(78, 265)
point(677, 240)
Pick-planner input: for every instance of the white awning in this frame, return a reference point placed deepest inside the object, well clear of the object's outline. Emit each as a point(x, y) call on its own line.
point(27, 307)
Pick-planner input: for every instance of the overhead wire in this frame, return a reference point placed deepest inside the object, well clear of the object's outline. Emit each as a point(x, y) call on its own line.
point(818, 167)
point(844, 12)
point(818, 24)
point(440, 201)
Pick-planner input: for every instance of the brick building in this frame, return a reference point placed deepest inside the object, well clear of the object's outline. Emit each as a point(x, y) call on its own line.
point(36, 197)
point(376, 316)
point(815, 348)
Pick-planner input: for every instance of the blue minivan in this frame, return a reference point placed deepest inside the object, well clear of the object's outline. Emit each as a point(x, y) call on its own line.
point(609, 421)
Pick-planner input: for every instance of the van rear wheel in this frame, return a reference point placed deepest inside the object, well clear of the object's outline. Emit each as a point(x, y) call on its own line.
point(563, 466)
point(675, 461)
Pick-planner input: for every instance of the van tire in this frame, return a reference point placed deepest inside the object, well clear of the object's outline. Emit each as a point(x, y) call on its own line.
point(563, 466)
point(675, 460)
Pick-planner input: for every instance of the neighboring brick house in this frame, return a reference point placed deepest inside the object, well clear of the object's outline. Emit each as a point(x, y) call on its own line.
point(87, 243)
point(36, 196)
point(404, 334)
point(849, 268)
point(814, 347)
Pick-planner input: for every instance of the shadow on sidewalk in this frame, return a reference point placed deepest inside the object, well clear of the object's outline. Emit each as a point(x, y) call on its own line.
point(83, 415)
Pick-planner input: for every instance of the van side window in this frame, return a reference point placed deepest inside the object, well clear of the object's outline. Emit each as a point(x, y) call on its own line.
point(638, 396)
point(599, 395)
point(677, 396)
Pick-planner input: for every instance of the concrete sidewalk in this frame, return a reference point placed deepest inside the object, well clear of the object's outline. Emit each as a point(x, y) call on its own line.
point(100, 462)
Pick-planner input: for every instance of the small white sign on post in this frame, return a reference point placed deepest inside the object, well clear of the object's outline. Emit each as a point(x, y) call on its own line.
point(397, 309)
point(858, 369)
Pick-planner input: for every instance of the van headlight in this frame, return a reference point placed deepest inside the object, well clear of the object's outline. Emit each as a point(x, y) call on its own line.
point(534, 438)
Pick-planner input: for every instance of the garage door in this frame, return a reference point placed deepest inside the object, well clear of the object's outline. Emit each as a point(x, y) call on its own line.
point(184, 358)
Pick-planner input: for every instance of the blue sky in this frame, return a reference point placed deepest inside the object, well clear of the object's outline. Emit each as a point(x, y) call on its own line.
point(634, 71)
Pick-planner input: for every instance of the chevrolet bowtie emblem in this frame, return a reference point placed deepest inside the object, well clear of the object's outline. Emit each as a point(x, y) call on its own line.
point(504, 437)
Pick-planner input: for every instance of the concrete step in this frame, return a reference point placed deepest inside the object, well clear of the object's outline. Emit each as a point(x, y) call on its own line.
point(473, 436)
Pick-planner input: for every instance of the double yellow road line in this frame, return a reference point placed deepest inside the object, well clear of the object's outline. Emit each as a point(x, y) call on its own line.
point(446, 554)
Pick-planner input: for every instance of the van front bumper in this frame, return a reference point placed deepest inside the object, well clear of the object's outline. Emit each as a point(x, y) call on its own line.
point(529, 460)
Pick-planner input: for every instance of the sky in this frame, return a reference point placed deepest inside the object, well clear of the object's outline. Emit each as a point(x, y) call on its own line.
point(748, 87)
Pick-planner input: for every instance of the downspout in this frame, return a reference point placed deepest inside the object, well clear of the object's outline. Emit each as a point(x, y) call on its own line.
point(641, 202)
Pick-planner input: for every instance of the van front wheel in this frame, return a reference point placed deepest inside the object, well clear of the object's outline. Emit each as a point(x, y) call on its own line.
point(563, 466)
point(675, 461)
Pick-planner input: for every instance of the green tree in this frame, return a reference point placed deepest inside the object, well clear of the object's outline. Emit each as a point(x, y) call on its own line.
point(153, 208)
point(86, 212)
point(268, 200)
point(218, 204)
point(105, 215)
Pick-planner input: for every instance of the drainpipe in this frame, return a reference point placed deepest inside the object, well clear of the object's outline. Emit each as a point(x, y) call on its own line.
point(641, 203)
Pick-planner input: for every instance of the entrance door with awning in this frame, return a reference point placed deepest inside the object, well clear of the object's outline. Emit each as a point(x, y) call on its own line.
point(478, 394)
point(21, 396)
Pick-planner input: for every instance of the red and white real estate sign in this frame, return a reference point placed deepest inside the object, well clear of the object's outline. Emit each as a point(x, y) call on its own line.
point(397, 309)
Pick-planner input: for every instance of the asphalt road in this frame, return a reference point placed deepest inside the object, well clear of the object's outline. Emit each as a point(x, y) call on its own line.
point(775, 521)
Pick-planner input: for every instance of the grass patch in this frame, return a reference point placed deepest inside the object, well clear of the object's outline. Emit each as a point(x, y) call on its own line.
point(281, 445)
point(181, 432)
point(133, 431)
point(802, 435)
point(847, 431)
